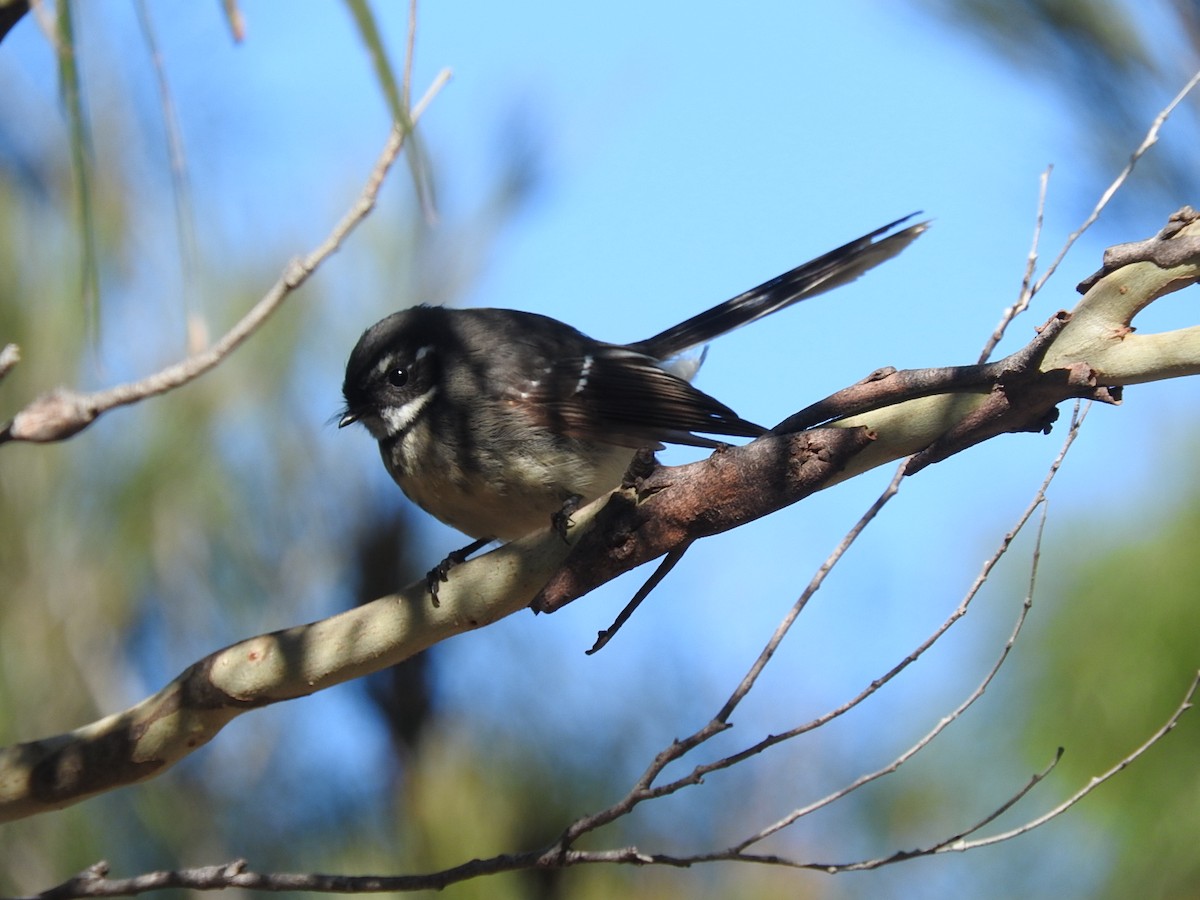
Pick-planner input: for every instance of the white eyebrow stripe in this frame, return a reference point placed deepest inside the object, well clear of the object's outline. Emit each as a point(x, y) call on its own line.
point(389, 362)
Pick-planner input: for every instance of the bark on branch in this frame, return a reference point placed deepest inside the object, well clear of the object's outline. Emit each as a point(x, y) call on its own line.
point(930, 414)
point(926, 414)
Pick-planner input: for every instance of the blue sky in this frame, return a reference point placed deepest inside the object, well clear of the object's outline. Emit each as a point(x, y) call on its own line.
point(689, 153)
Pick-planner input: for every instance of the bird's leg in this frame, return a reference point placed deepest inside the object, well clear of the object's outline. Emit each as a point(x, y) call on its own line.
point(561, 520)
point(441, 572)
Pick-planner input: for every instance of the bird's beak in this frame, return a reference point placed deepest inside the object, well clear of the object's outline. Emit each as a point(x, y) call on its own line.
point(348, 419)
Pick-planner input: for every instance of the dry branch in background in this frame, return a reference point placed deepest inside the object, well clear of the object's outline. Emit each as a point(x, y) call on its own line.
point(63, 413)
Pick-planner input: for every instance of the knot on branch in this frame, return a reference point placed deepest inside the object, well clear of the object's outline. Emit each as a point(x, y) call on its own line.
point(1167, 249)
point(51, 417)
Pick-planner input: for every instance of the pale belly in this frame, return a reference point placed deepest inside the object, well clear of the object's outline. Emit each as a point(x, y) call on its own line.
point(522, 502)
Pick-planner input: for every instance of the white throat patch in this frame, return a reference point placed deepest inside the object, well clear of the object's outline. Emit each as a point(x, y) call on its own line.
point(397, 419)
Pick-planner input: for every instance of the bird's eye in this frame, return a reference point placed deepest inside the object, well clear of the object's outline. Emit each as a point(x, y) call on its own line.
point(397, 377)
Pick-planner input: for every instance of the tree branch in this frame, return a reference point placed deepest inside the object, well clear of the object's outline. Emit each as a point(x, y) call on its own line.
point(929, 414)
point(94, 881)
point(63, 413)
point(158, 732)
point(661, 511)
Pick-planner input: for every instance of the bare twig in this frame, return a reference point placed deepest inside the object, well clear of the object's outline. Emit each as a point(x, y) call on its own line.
point(662, 571)
point(947, 719)
point(93, 882)
point(814, 585)
point(1148, 141)
point(1029, 288)
point(1096, 780)
point(1026, 293)
point(63, 413)
point(235, 19)
point(699, 772)
point(958, 843)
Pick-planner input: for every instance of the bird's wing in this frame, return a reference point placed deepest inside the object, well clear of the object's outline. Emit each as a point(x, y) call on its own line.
point(618, 396)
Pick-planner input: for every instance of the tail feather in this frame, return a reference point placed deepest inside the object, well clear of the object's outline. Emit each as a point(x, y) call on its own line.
point(833, 269)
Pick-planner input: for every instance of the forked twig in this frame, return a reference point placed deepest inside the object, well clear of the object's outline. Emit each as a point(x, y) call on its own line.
point(959, 844)
point(929, 736)
point(1148, 141)
point(1096, 780)
point(1030, 288)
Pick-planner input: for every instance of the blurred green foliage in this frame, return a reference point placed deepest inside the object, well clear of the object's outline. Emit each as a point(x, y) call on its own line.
point(1120, 648)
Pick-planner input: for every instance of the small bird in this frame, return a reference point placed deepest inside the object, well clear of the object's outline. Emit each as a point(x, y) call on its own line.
point(497, 421)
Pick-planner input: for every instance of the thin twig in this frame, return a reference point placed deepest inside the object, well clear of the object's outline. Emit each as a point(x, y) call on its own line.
point(1029, 288)
point(1096, 780)
point(94, 881)
point(958, 844)
point(64, 413)
point(814, 585)
point(662, 571)
point(1026, 293)
point(933, 733)
point(1148, 141)
point(699, 772)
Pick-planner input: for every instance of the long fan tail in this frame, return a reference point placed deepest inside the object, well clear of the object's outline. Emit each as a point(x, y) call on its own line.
point(831, 270)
